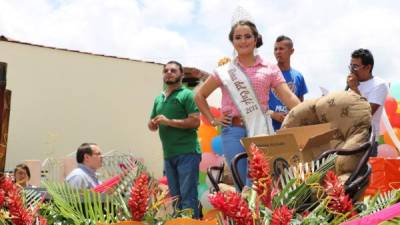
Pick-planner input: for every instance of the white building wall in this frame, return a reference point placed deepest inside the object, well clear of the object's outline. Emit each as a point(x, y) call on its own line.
point(61, 99)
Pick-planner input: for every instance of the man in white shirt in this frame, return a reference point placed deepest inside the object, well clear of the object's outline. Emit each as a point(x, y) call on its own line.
point(361, 81)
point(89, 160)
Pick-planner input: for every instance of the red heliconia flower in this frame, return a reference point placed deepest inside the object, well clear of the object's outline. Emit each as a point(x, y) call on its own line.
point(19, 214)
point(331, 181)
point(259, 165)
point(339, 201)
point(42, 221)
point(139, 197)
point(7, 184)
point(233, 206)
point(305, 213)
point(108, 184)
point(218, 200)
point(259, 172)
point(2, 198)
point(281, 216)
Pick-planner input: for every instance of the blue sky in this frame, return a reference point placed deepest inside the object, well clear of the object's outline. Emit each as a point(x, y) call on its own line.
point(195, 32)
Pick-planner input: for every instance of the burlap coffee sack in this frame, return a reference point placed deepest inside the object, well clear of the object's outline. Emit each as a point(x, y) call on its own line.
point(351, 114)
point(301, 115)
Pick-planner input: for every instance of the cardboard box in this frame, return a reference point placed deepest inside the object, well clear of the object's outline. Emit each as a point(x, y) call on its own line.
point(298, 144)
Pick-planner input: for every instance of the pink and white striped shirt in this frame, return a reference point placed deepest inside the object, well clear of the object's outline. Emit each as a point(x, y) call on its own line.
point(262, 75)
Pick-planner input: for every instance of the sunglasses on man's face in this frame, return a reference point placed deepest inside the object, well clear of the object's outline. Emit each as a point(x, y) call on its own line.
point(355, 67)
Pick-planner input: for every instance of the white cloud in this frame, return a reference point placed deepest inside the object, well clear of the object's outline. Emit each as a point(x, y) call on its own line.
point(157, 43)
point(168, 12)
point(195, 32)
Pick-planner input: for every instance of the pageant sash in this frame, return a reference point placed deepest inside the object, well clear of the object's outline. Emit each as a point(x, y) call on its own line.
point(245, 99)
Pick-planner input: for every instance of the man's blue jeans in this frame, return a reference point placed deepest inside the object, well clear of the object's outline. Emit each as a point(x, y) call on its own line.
point(183, 175)
point(231, 146)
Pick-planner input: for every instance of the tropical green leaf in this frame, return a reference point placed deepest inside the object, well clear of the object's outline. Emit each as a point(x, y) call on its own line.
point(32, 198)
point(379, 202)
point(298, 181)
point(121, 164)
point(82, 205)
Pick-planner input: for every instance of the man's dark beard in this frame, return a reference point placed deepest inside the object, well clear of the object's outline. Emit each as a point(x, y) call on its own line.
point(170, 82)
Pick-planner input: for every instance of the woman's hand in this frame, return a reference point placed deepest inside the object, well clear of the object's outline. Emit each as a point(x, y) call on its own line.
point(226, 120)
point(278, 116)
point(201, 99)
point(286, 96)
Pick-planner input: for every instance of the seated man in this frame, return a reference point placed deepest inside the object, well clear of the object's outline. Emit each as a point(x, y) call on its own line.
point(89, 160)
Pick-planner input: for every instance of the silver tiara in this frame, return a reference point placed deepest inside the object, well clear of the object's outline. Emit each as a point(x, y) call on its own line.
point(240, 14)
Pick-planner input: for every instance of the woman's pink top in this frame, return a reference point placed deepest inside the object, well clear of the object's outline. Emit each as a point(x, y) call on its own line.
point(262, 75)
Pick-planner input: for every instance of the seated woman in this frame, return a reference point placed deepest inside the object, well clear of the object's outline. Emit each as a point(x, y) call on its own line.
point(22, 175)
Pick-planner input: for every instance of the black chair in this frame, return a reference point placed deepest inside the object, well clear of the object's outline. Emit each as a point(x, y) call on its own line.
point(353, 185)
point(234, 168)
point(359, 178)
point(214, 174)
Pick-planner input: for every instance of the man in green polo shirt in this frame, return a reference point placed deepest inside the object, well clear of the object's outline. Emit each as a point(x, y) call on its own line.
point(176, 116)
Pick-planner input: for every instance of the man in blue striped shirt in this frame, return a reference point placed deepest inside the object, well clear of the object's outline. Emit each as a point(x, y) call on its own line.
point(89, 160)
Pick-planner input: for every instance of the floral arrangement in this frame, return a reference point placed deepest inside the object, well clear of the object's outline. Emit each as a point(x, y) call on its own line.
point(301, 195)
point(14, 208)
point(133, 195)
point(309, 197)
